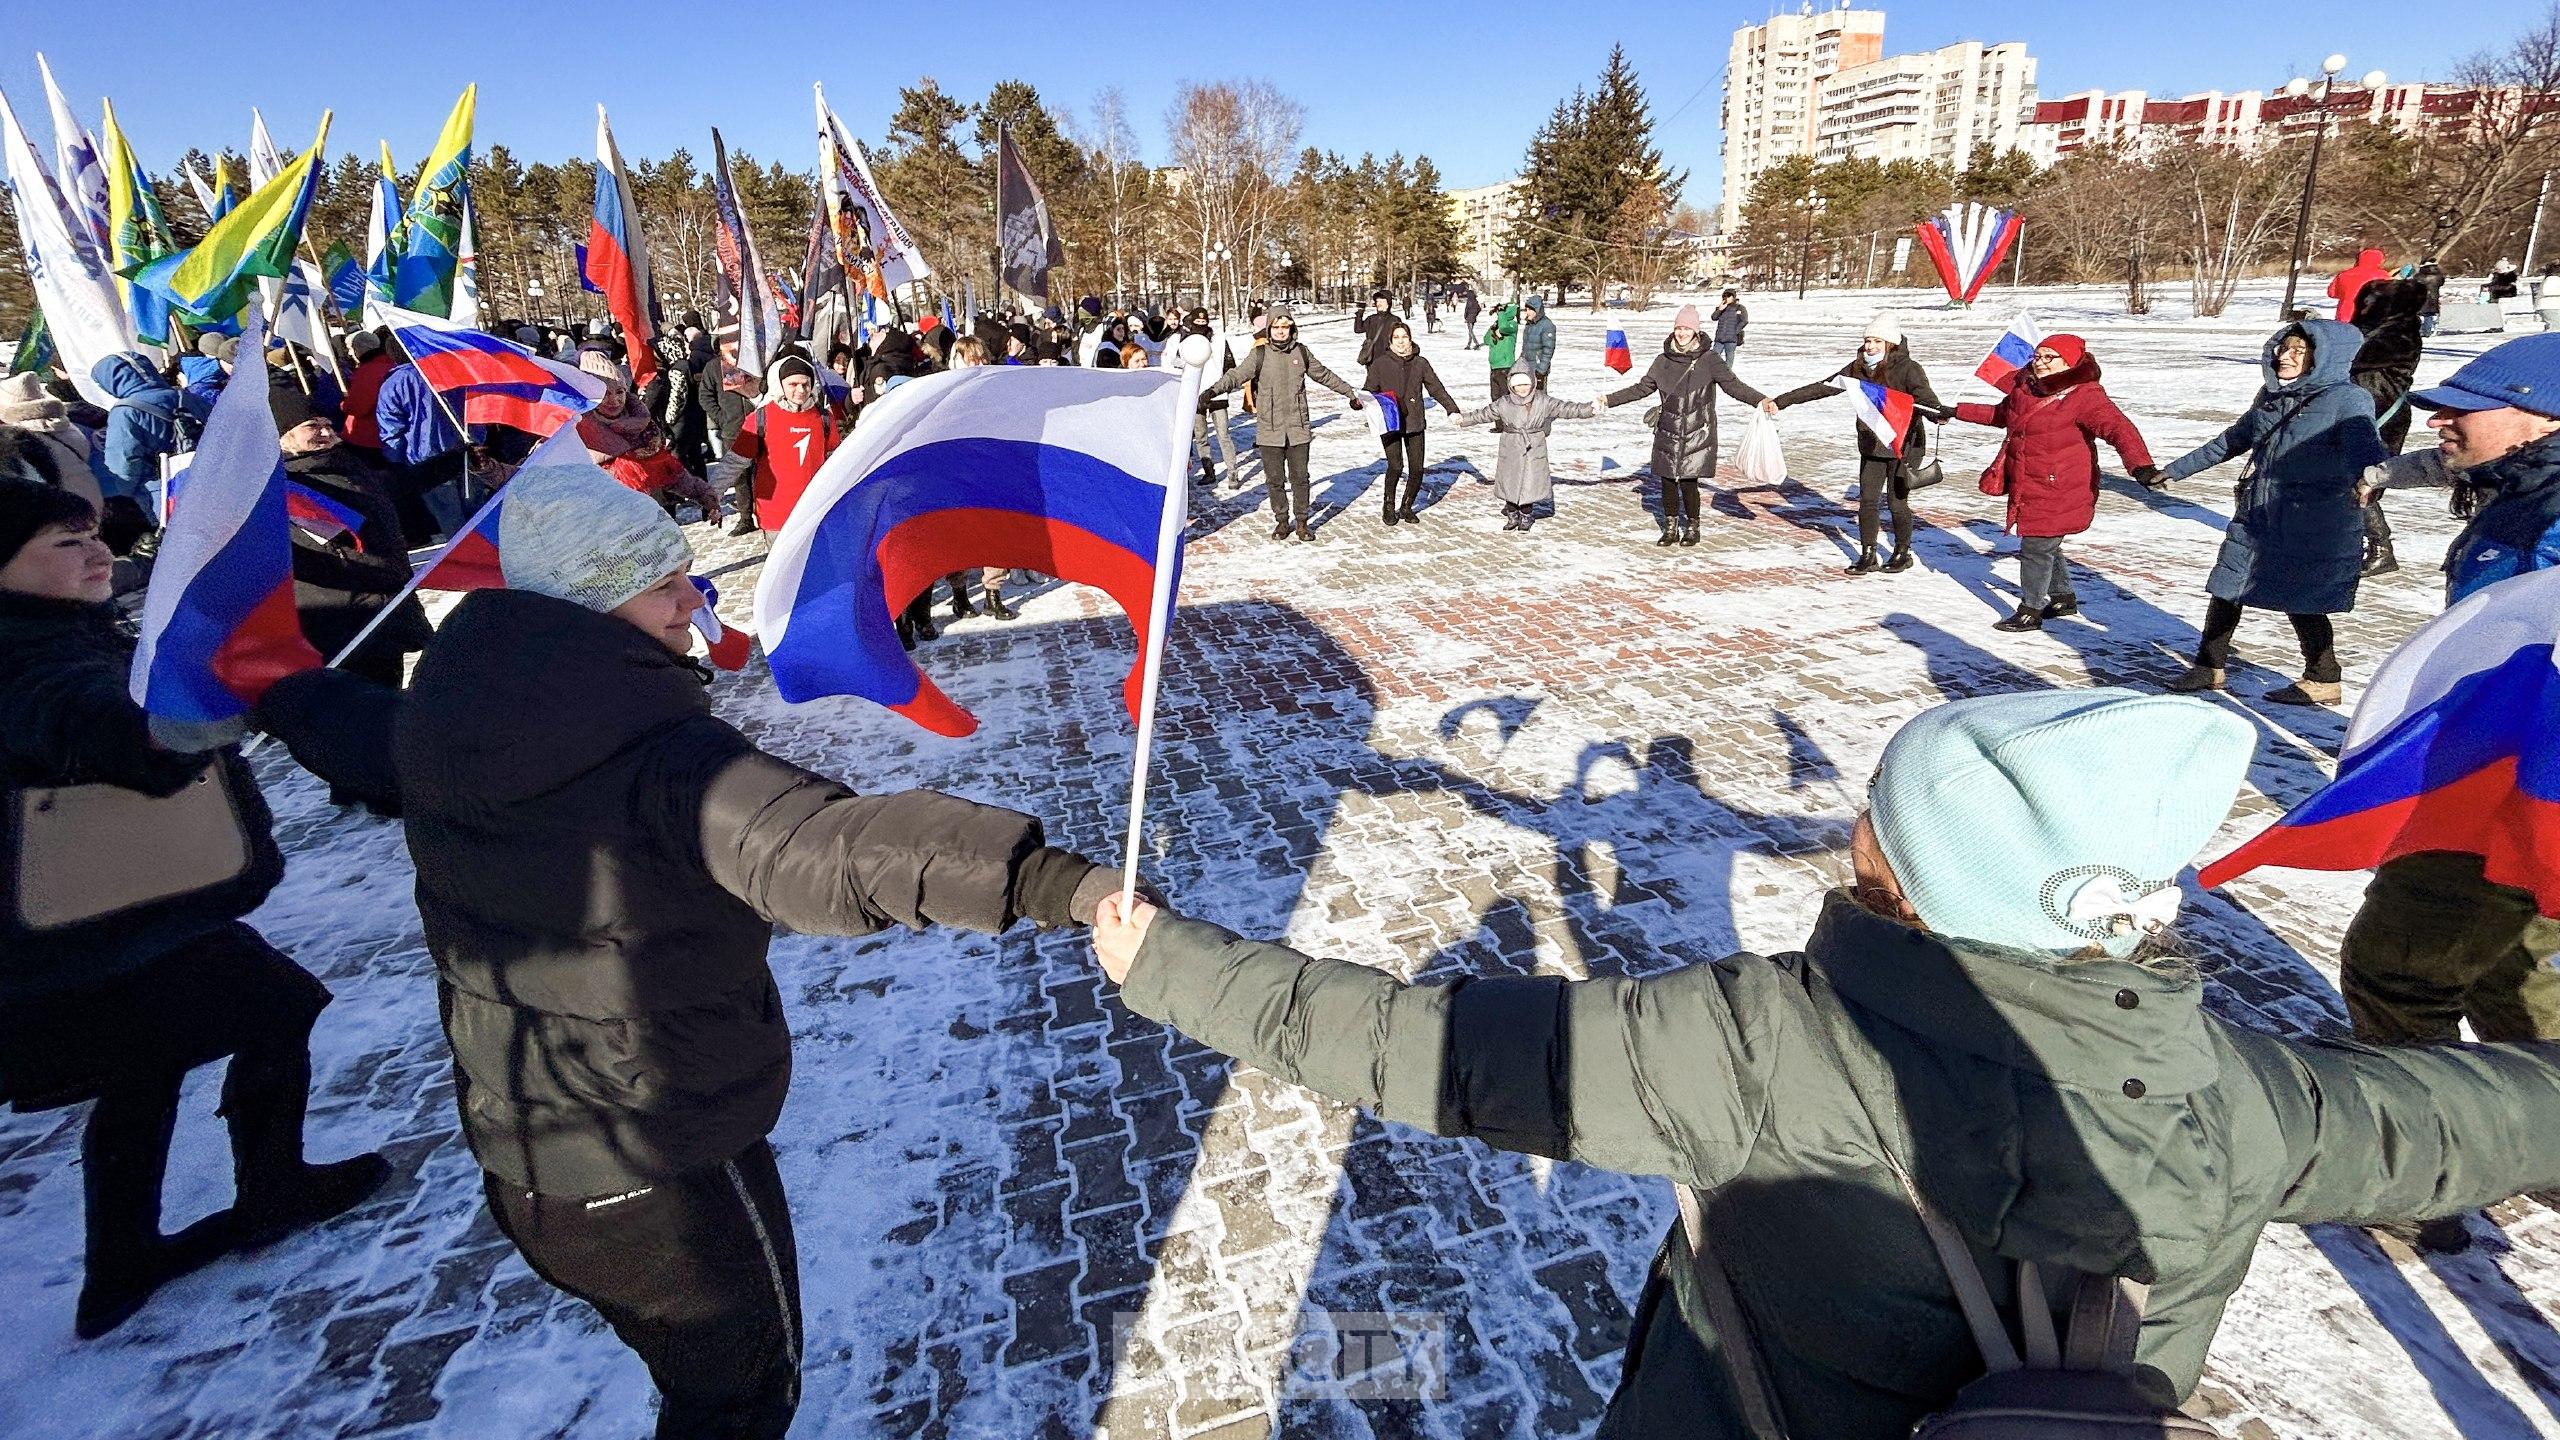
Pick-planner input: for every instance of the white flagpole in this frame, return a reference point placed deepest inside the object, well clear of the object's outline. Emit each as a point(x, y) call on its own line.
point(1177, 512)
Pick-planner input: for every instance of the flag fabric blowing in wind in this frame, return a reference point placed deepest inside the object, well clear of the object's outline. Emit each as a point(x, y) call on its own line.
point(1072, 472)
point(1615, 354)
point(2012, 351)
point(1966, 244)
point(2455, 746)
point(1885, 411)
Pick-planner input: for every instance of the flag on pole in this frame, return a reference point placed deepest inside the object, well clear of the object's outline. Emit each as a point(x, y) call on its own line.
point(617, 262)
point(470, 560)
point(869, 240)
point(2455, 746)
point(35, 347)
point(500, 382)
point(1076, 473)
point(1386, 417)
point(214, 280)
point(137, 234)
point(466, 271)
point(200, 185)
point(741, 298)
point(1885, 411)
point(378, 232)
point(1614, 353)
point(74, 289)
point(1966, 243)
point(2011, 352)
point(218, 623)
point(345, 280)
point(76, 166)
point(320, 517)
point(427, 244)
point(1027, 243)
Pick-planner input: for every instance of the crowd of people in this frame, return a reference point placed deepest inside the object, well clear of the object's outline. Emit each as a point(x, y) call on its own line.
point(1986, 1056)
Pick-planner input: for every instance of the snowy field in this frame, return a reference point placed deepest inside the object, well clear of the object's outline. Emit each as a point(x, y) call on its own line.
point(1435, 749)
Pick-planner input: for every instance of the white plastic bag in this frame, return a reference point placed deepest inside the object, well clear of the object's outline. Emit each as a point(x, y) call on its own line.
point(1760, 459)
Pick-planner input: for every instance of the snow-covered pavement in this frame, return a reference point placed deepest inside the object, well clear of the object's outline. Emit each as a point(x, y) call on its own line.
point(1022, 1211)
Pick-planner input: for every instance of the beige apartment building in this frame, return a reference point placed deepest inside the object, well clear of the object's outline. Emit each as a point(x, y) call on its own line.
point(1773, 76)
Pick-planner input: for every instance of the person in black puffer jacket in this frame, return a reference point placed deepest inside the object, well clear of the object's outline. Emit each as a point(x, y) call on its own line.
point(342, 582)
point(601, 863)
point(117, 1008)
point(2391, 314)
point(1400, 370)
point(1882, 359)
point(1687, 376)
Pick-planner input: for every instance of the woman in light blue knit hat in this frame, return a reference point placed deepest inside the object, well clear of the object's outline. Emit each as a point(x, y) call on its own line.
point(1978, 1020)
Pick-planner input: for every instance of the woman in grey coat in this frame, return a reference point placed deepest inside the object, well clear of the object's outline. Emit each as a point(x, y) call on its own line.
point(1520, 475)
point(2296, 538)
point(1278, 370)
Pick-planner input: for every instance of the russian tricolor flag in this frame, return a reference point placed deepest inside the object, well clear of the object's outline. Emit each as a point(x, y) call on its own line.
point(1966, 244)
point(1617, 358)
point(727, 646)
point(1885, 411)
point(1386, 417)
point(2011, 352)
point(2456, 746)
point(218, 623)
point(1073, 472)
point(320, 517)
point(616, 266)
point(502, 383)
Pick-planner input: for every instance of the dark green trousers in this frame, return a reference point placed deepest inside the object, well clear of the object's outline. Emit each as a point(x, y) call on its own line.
point(2436, 944)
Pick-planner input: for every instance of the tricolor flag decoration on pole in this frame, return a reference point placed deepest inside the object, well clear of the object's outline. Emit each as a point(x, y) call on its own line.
point(502, 383)
point(1072, 472)
point(617, 263)
point(1885, 411)
point(1386, 417)
point(2455, 746)
point(320, 517)
point(2011, 352)
point(1615, 354)
point(218, 622)
point(726, 646)
point(1966, 243)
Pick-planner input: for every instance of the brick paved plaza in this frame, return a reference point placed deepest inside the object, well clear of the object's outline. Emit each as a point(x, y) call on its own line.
point(1439, 749)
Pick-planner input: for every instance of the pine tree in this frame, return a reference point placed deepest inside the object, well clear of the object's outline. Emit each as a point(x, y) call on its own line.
point(1437, 238)
point(932, 187)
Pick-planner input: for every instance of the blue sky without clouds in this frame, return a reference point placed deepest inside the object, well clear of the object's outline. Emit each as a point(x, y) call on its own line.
point(1463, 83)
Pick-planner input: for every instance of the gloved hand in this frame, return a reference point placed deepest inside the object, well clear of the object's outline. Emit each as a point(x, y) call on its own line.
point(2149, 477)
point(1652, 416)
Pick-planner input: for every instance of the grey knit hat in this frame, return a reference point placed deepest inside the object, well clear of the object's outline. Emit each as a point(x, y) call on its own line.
point(23, 401)
point(575, 533)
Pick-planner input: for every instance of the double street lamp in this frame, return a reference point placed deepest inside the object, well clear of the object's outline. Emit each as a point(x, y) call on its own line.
point(2298, 87)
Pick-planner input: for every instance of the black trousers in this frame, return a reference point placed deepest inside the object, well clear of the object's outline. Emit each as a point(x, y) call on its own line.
point(1880, 479)
point(1679, 502)
point(2318, 637)
point(1284, 475)
point(1404, 462)
point(698, 1274)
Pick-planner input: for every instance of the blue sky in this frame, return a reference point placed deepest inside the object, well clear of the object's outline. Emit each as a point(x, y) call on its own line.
point(1462, 82)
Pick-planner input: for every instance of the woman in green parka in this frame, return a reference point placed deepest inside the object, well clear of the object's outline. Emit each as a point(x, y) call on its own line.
point(1983, 1007)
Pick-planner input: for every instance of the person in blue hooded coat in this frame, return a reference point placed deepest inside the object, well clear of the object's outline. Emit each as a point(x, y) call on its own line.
point(143, 425)
point(2296, 538)
point(1537, 339)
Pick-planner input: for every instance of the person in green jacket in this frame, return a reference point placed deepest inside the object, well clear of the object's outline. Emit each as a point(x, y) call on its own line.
point(1501, 343)
point(1990, 1006)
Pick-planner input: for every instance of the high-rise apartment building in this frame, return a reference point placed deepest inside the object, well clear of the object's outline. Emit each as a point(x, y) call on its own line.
point(1936, 105)
point(1773, 76)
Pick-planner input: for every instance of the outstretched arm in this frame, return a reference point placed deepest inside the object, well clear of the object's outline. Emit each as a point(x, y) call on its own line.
point(1650, 1076)
point(2409, 1134)
point(1244, 373)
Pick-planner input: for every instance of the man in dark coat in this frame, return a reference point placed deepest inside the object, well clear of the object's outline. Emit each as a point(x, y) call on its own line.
point(1686, 376)
point(601, 862)
point(1374, 326)
point(342, 580)
point(1732, 319)
point(1472, 309)
point(2391, 315)
point(1984, 1012)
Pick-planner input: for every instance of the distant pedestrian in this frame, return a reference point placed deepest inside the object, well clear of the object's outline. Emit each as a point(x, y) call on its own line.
point(1731, 320)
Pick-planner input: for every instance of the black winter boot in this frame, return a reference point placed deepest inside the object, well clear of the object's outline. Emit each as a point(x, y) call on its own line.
point(2024, 620)
point(1405, 511)
point(1688, 532)
point(1670, 533)
point(1900, 562)
point(1865, 564)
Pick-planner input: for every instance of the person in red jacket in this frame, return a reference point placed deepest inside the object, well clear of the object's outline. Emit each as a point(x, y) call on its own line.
point(778, 449)
point(2056, 413)
point(364, 387)
point(2350, 282)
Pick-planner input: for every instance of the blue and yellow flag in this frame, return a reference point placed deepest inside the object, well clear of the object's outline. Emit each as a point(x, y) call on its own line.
point(254, 241)
point(137, 234)
point(427, 246)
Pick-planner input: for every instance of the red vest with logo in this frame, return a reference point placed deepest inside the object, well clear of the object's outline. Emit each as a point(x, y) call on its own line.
point(787, 446)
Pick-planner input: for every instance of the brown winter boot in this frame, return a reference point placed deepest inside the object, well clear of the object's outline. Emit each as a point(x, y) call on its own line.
point(2198, 677)
point(2308, 692)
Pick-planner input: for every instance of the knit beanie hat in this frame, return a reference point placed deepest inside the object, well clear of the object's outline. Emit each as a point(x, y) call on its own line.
point(1885, 327)
point(1686, 319)
point(603, 366)
point(30, 507)
point(2071, 348)
point(575, 533)
point(209, 345)
point(23, 401)
point(2058, 819)
point(291, 407)
point(364, 344)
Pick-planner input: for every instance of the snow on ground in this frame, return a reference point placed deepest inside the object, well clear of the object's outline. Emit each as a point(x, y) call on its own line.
point(1436, 749)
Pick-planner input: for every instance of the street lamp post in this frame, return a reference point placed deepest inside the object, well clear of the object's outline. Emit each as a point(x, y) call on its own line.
point(1812, 207)
point(1218, 255)
point(533, 298)
point(2297, 88)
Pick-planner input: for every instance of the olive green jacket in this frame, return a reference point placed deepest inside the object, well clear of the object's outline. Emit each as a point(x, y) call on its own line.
point(2089, 1115)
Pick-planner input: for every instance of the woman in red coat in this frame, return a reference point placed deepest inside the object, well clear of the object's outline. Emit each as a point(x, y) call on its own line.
point(2056, 413)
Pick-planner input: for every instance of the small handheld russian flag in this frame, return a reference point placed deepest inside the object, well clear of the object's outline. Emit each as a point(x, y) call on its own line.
point(218, 623)
point(1885, 411)
point(1386, 417)
point(1618, 358)
point(728, 647)
point(320, 517)
point(2455, 746)
point(2011, 352)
